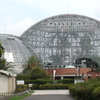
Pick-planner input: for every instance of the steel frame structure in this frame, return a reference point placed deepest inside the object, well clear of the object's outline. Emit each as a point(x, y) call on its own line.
point(61, 39)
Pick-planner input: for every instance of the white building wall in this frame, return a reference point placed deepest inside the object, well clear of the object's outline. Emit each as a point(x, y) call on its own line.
point(3, 83)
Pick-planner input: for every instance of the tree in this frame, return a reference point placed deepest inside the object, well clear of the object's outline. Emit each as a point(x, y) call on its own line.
point(31, 63)
point(39, 73)
point(1, 50)
point(22, 77)
point(5, 65)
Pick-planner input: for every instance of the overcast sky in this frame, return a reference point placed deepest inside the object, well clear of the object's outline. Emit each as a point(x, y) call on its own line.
point(18, 15)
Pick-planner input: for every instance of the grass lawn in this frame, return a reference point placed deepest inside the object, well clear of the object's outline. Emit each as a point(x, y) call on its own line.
point(20, 97)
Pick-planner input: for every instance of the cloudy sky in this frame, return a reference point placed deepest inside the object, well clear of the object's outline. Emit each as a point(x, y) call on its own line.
point(18, 15)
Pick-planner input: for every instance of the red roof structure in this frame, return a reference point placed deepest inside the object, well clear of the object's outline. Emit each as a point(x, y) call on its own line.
point(62, 73)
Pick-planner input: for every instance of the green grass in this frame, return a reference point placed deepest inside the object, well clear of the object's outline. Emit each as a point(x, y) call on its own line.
point(32, 91)
point(19, 97)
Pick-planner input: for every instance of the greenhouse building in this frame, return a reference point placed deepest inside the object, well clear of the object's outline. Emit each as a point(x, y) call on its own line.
point(61, 40)
point(58, 41)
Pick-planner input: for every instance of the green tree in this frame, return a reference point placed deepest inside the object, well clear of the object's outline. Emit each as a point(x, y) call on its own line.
point(5, 65)
point(1, 50)
point(22, 77)
point(39, 73)
point(30, 64)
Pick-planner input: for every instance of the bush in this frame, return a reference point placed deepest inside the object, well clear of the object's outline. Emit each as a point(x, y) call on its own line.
point(96, 93)
point(86, 90)
point(67, 81)
point(35, 86)
point(54, 86)
point(39, 81)
point(22, 77)
point(21, 88)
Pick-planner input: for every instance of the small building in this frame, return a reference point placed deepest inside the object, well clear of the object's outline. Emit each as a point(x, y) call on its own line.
point(62, 73)
point(7, 81)
point(69, 72)
point(92, 74)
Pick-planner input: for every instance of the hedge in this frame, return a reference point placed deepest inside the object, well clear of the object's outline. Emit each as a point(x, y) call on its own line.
point(96, 93)
point(21, 88)
point(39, 81)
point(54, 86)
point(89, 90)
point(50, 81)
point(67, 81)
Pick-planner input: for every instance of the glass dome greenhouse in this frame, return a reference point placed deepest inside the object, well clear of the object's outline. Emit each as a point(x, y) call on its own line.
point(61, 39)
point(15, 51)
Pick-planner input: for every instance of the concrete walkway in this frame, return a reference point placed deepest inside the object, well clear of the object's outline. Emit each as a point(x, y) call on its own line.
point(50, 95)
point(46, 92)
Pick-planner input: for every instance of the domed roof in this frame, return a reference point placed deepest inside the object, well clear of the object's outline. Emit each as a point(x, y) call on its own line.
point(70, 66)
point(15, 51)
point(63, 38)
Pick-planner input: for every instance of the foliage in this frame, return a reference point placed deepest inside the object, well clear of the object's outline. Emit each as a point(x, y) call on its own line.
point(67, 81)
point(54, 86)
point(1, 50)
point(21, 88)
point(35, 86)
point(88, 90)
point(39, 73)
point(31, 63)
point(37, 76)
point(46, 84)
point(42, 81)
point(38, 82)
point(5, 65)
point(96, 93)
point(22, 77)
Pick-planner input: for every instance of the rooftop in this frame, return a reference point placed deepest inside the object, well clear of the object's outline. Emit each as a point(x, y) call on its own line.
point(8, 73)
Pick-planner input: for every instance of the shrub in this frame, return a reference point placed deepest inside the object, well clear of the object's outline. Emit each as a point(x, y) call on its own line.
point(67, 81)
point(96, 93)
point(39, 81)
point(85, 90)
point(35, 86)
point(21, 88)
point(22, 77)
point(54, 86)
point(18, 90)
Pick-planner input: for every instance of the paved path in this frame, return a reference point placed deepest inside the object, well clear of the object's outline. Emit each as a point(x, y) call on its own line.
point(50, 95)
point(45, 92)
